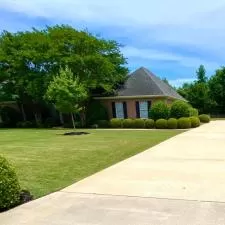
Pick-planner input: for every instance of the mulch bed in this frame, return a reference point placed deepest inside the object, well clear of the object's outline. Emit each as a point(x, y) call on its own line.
point(75, 133)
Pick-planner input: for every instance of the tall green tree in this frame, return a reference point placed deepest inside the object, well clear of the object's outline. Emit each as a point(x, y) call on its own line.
point(199, 97)
point(29, 60)
point(198, 92)
point(184, 90)
point(201, 74)
point(67, 93)
point(217, 88)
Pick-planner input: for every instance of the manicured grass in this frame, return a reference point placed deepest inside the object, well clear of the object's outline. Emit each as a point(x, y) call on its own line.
point(46, 160)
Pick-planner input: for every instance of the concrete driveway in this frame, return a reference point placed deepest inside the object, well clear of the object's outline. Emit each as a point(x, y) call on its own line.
point(178, 182)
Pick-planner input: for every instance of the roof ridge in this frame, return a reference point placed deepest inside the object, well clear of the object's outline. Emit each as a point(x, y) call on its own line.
point(149, 73)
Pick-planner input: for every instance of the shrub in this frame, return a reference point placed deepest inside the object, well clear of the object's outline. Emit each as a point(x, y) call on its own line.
point(25, 124)
point(161, 124)
point(179, 109)
point(193, 112)
point(102, 123)
point(128, 123)
point(149, 123)
point(9, 186)
point(10, 116)
point(68, 125)
point(116, 123)
point(159, 110)
point(184, 123)
point(95, 112)
point(50, 122)
point(39, 124)
point(139, 123)
point(172, 123)
point(204, 118)
point(195, 122)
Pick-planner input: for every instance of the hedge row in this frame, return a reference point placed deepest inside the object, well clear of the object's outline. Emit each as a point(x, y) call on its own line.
point(172, 123)
point(131, 123)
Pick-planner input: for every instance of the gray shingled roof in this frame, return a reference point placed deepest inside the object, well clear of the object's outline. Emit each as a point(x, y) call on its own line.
point(143, 82)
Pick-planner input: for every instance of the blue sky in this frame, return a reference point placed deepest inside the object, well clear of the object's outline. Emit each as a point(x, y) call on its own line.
point(171, 38)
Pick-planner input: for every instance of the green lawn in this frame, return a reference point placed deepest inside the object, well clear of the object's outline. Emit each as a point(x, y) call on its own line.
point(46, 160)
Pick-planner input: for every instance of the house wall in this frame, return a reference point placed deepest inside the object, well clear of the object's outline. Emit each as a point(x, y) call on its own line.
point(131, 105)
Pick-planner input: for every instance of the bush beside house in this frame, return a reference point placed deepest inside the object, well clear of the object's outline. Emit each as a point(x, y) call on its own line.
point(180, 109)
point(139, 123)
point(184, 123)
point(185, 117)
point(195, 122)
point(159, 110)
point(204, 118)
point(193, 112)
point(161, 124)
point(172, 123)
point(116, 123)
point(149, 123)
point(128, 123)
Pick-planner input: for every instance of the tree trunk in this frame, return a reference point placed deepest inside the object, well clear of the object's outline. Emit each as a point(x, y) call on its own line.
point(61, 118)
point(73, 120)
point(23, 112)
point(83, 119)
point(37, 117)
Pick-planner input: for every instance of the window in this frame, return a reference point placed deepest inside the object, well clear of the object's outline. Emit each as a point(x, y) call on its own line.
point(143, 108)
point(119, 110)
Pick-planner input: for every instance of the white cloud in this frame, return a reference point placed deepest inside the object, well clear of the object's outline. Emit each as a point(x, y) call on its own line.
point(142, 12)
point(182, 23)
point(191, 22)
point(168, 56)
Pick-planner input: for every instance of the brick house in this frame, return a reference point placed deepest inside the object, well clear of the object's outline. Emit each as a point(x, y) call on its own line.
point(139, 92)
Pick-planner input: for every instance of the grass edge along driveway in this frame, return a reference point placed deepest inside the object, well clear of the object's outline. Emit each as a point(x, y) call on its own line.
point(47, 161)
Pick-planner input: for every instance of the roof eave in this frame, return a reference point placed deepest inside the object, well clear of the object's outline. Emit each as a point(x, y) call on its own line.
point(135, 97)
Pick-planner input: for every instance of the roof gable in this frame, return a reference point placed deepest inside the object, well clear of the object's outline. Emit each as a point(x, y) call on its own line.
point(143, 82)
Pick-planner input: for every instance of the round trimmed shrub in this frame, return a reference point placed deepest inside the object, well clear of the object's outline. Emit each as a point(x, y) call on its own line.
point(149, 123)
point(179, 109)
point(184, 123)
point(103, 123)
point(195, 122)
point(159, 110)
point(128, 123)
point(9, 186)
point(204, 118)
point(193, 112)
point(116, 123)
point(172, 123)
point(139, 123)
point(161, 124)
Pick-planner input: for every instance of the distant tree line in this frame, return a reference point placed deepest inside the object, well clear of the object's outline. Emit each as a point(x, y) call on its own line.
point(206, 94)
point(38, 66)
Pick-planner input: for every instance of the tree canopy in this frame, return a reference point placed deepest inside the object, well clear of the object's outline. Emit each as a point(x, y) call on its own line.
point(29, 61)
point(208, 95)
